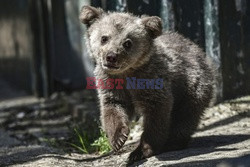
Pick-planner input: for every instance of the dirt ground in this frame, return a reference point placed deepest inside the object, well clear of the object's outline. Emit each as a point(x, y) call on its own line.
point(223, 137)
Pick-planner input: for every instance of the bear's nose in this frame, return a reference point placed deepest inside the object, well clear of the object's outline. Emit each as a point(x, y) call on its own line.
point(111, 57)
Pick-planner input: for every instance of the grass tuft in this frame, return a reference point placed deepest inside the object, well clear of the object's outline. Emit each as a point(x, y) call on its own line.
point(83, 145)
point(102, 144)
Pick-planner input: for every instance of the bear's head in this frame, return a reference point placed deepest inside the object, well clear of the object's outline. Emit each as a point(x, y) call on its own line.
point(119, 41)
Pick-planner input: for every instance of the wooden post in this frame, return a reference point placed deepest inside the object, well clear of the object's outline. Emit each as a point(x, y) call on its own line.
point(189, 19)
point(211, 14)
point(234, 22)
point(40, 63)
point(167, 15)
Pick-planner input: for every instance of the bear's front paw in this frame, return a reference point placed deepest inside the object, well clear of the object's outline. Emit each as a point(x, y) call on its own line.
point(141, 152)
point(119, 138)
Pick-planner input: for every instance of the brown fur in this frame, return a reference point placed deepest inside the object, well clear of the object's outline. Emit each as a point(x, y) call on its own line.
point(171, 114)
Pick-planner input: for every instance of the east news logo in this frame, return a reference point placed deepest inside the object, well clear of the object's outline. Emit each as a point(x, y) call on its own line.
point(129, 83)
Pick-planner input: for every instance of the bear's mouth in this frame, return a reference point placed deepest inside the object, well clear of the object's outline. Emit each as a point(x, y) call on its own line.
point(111, 66)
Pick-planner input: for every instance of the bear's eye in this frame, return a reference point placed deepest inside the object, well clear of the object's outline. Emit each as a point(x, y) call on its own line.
point(104, 39)
point(127, 44)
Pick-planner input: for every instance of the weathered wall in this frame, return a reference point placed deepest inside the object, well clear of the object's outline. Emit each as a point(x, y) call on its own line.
point(15, 45)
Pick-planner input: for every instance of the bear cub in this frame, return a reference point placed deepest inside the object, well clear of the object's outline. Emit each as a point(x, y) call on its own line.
point(126, 46)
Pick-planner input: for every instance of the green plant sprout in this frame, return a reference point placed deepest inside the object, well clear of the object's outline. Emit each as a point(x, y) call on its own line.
point(102, 144)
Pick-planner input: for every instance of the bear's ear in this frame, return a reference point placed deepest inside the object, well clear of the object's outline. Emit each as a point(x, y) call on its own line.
point(89, 15)
point(153, 24)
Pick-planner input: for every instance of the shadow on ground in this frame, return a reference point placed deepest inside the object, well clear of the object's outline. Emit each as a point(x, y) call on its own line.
point(226, 121)
point(201, 145)
point(242, 161)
